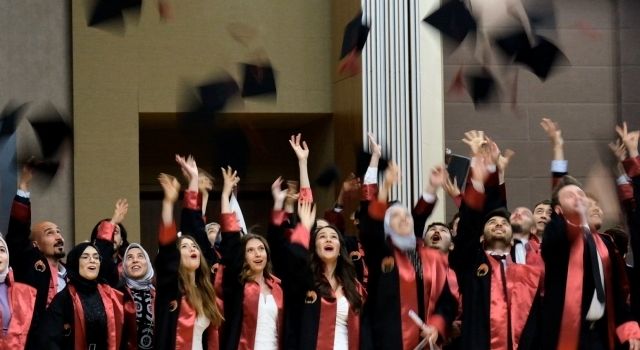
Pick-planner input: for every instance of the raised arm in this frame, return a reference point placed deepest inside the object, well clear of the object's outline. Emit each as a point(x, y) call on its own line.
point(559, 163)
point(427, 201)
point(191, 219)
point(17, 237)
point(467, 241)
point(171, 188)
point(302, 153)
point(105, 242)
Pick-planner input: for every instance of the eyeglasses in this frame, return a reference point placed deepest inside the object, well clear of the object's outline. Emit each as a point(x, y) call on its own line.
point(87, 257)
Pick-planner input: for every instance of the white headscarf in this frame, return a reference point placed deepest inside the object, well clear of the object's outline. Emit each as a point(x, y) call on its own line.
point(146, 281)
point(5, 272)
point(402, 242)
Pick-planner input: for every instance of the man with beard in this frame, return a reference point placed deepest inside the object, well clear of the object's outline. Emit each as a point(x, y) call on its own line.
point(526, 246)
point(37, 251)
point(500, 299)
point(438, 236)
point(585, 298)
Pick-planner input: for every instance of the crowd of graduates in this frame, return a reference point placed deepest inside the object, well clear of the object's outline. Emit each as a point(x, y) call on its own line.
point(545, 277)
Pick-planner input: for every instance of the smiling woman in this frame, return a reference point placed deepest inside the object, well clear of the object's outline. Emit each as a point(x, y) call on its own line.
point(252, 295)
point(87, 314)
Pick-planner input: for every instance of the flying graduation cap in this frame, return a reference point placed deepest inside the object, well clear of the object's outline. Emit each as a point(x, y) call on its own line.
point(355, 36)
point(539, 58)
point(258, 80)
point(215, 94)
point(481, 87)
point(111, 11)
point(51, 130)
point(328, 176)
point(453, 20)
point(9, 118)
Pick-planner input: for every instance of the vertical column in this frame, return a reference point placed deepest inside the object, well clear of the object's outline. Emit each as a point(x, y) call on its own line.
point(402, 90)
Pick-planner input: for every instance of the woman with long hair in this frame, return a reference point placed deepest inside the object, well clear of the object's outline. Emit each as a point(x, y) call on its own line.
point(333, 303)
point(323, 299)
point(253, 299)
point(186, 311)
point(17, 302)
point(87, 314)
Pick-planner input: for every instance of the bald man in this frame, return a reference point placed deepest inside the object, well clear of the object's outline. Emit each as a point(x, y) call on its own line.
point(36, 253)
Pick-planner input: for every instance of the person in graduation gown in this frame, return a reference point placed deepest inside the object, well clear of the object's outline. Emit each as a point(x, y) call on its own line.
point(139, 296)
point(586, 301)
point(187, 314)
point(88, 313)
point(500, 298)
point(585, 293)
point(38, 251)
point(253, 299)
point(404, 274)
point(17, 303)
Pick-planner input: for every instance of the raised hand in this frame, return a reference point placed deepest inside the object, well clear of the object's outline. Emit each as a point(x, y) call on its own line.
point(437, 177)
point(299, 147)
point(619, 150)
point(26, 174)
point(476, 140)
point(170, 186)
point(630, 139)
point(122, 206)
point(451, 187)
point(307, 214)
point(391, 175)
point(231, 180)
point(278, 194)
point(479, 171)
point(374, 147)
point(188, 166)
point(553, 131)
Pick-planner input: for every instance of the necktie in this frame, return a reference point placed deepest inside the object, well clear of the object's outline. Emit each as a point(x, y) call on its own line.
point(595, 269)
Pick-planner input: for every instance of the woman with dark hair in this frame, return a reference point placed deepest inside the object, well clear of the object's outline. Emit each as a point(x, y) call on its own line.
point(323, 299)
point(17, 302)
point(87, 314)
point(186, 311)
point(139, 294)
point(333, 303)
point(253, 298)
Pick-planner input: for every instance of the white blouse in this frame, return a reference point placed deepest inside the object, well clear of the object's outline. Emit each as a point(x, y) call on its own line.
point(341, 337)
point(266, 325)
point(201, 324)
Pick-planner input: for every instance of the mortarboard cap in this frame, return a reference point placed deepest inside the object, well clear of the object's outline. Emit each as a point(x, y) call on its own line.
point(51, 130)
point(258, 80)
point(328, 176)
point(453, 20)
point(215, 95)
point(481, 87)
point(10, 118)
point(110, 12)
point(355, 36)
point(539, 58)
point(45, 168)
